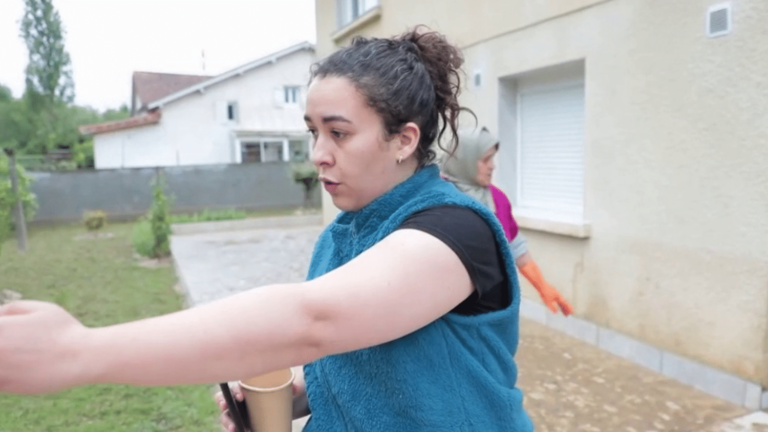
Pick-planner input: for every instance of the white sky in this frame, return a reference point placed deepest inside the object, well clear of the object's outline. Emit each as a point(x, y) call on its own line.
point(109, 39)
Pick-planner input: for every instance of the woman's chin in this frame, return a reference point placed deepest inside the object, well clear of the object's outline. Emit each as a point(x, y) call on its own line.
point(344, 204)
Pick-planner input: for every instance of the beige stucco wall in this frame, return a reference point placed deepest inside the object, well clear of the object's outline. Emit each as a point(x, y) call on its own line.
point(466, 22)
point(676, 161)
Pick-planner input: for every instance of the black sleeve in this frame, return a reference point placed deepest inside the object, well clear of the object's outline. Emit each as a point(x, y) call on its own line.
point(470, 237)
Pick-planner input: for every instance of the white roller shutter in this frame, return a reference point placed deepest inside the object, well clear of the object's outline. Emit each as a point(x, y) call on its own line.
point(551, 150)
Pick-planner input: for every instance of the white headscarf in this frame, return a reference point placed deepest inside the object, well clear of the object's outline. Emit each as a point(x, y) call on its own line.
point(461, 168)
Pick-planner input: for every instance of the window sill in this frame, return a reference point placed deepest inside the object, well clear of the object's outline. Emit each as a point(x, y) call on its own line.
point(581, 230)
point(361, 21)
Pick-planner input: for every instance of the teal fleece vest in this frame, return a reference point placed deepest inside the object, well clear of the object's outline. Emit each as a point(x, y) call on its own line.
point(455, 374)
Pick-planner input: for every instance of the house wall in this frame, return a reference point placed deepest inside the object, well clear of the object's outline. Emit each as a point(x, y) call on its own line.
point(145, 146)
point(192, 130)
point(676, 159)
point(125, 193)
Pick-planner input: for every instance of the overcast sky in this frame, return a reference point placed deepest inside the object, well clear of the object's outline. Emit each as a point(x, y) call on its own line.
point(109, 39)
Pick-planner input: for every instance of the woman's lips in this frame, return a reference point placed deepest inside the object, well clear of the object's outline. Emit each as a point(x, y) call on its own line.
point(330, 185)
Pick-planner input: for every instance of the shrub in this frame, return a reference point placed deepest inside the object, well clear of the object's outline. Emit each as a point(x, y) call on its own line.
point(152, 233)
point(143, 241)
point(305, 174)
point(94, 220)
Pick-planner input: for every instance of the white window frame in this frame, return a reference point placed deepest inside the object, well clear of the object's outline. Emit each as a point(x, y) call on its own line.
point(232, 108)
point(350, 10)
point(568, 220)
point(285, 152)
point(291, 95)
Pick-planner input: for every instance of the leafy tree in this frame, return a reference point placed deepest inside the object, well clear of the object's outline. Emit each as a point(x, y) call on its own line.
point(49, 71)
point(5, 94)
point(116, 114)
point(8, 199)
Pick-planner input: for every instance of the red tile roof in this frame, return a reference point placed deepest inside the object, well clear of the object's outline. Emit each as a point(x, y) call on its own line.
point(143, 119)
point(151, 86)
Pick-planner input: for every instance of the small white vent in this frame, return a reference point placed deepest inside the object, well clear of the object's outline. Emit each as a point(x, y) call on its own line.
point(719, 20)
point(477, 78)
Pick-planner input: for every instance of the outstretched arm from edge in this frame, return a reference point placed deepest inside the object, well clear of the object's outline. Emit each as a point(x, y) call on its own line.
point(403, 283)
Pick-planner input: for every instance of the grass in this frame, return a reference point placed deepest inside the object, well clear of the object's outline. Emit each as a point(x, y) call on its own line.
point(208, 215)
point(99, 282)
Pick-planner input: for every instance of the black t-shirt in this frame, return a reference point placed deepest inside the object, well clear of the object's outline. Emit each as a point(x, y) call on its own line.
point(473, 241)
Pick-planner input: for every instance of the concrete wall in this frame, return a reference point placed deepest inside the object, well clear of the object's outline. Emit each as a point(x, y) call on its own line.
point(64, 196)
point(676, 159)
point(192, 131)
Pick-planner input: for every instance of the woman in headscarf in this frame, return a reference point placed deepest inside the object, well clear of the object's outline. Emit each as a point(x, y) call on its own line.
point(470, 168)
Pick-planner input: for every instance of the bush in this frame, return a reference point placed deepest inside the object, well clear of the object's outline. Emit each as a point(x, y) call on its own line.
point(152, 233)
point(94, 220)
point(305, 174)
point(142, 238)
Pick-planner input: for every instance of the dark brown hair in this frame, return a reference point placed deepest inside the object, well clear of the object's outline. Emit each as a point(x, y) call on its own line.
point(413, 77)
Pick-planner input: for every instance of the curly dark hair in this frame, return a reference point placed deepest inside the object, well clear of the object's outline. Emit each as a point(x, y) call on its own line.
point(412, 77)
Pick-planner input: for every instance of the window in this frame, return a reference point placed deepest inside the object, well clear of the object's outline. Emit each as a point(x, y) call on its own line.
point(272, 151)
point(232, 111)
point(226, 112)
point(543, 113)
point(264, 150)
point(292, 94)
point(251, 152)
point(350, 10)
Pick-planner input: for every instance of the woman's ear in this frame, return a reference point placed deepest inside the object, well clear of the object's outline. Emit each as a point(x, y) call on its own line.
point(409, 138)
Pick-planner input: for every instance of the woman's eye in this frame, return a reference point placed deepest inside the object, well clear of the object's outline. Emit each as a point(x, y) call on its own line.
point(338, 134)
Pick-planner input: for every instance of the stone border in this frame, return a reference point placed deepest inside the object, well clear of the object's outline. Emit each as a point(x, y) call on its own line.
point(267, 222)
point(706, 378)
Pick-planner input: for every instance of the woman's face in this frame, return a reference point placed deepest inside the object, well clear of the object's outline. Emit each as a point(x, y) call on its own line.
point(354, 161)
point(485, 166)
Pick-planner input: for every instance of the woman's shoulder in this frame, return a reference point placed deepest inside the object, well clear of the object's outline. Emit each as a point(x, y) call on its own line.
point(496, 190)
point(499, 195)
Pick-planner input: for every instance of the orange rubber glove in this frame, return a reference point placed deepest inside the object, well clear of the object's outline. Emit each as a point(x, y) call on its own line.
point(549, 295)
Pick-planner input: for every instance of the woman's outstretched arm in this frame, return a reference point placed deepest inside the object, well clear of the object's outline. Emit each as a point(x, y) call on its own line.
point(406, 281)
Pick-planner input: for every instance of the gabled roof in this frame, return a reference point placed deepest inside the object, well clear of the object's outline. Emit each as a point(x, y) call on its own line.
point(272, 58)
point(144, 119)
point(151, 86)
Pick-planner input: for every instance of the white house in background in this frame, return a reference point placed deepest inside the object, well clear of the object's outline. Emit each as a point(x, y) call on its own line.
point(250, 114)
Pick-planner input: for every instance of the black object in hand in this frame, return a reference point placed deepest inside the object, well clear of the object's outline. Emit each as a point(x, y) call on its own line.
point(237, 409)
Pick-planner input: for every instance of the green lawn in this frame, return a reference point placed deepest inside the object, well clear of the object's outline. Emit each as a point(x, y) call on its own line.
point(99, 281)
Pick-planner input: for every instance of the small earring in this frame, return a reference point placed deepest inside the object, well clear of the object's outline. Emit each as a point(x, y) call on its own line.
point(400, 159)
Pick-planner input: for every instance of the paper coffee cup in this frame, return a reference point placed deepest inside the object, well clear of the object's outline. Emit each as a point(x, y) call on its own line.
point(269, 399)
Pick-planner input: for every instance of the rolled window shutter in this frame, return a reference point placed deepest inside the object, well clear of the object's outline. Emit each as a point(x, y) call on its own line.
point(552, 150)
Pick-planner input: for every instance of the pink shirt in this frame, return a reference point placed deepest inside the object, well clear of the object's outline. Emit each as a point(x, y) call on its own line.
point(504, 212)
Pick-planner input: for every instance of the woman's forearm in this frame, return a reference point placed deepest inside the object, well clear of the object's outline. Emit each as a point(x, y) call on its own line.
point(237, 337)
point(519, 247)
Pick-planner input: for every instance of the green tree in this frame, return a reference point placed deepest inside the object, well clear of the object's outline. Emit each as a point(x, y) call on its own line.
point(5, 94)
point(8, 199)
point(49, 71)
point(116, 114)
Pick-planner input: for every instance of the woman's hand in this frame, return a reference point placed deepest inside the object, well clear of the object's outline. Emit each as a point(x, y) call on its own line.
point(550, 296)
point(41, 349)
point(300, 403)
